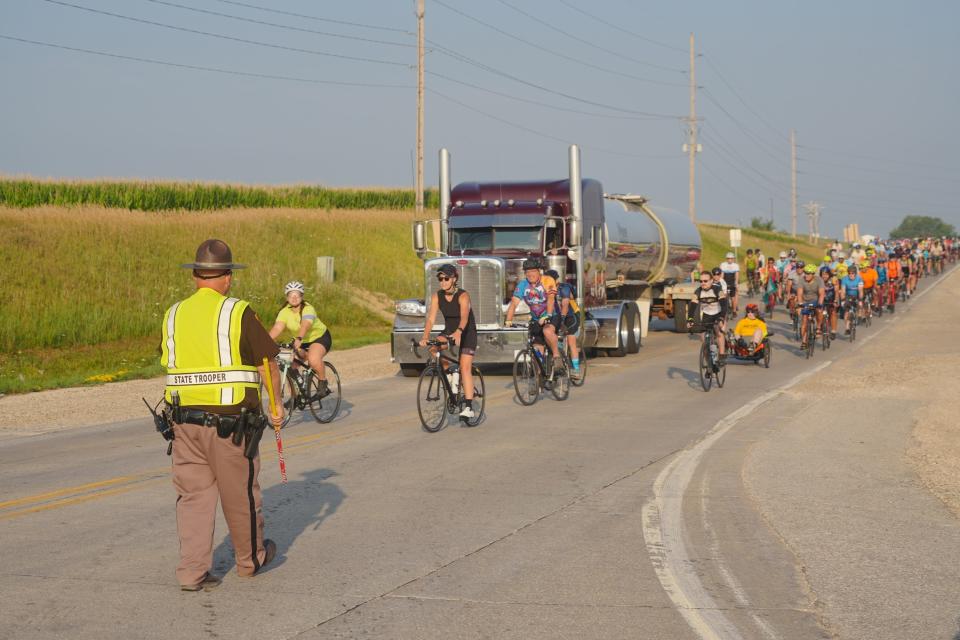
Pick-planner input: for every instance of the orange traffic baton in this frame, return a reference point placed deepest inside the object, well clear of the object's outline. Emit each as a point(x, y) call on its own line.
point(273, 412)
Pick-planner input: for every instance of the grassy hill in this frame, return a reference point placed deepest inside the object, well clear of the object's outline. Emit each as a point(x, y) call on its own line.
point(716, 243)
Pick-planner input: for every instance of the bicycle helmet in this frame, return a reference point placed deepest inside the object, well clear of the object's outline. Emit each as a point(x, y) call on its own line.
point(864, 264)
point(826, 269)
point(531, 263)
point(553, 273)
point(448, 270)
point(783, 254)
point(294, 285)
point(716, 271)
point(751, 307)
point(730, 254)
point(793, 252)
point(810, 269)
point(801, 264)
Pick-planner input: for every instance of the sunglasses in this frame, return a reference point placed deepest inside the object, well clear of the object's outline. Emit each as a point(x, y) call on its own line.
point(444, 278)
point(705, 281)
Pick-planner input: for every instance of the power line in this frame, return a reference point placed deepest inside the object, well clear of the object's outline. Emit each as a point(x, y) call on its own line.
point(225, 37)
point(733, 90)
point(621, 29)
point(316, 18)
point(878, 159)
point(589, 43)
point(193, 67)
point(480, 65)
point(766, 188)
point(730, 188)
point(756, 139)
point(524, 40)
point(728, 148)
point(546, 105)
point(281, 26)
point(895, 172)
point(541, 133)
point(869, 182)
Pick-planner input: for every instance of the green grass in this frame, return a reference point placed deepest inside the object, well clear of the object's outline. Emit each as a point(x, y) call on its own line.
point(716, 243)
point(83, 290)
point(192, 196)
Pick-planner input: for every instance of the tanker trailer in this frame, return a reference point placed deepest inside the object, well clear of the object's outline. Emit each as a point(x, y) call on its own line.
point(652, 256)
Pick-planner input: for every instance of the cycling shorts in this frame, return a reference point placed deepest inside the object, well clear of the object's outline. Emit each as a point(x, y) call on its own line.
point(326, 340)
point(571, 322)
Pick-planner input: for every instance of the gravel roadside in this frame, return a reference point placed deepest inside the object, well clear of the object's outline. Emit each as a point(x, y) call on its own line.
point(60, 409)
point(861, 479)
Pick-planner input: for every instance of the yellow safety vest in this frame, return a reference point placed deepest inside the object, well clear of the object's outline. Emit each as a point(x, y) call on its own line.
point(201, 351)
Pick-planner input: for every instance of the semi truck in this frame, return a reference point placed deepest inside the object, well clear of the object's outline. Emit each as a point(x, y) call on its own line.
point(623, 259)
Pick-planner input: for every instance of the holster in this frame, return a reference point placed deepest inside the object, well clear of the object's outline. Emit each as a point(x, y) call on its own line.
point(253, 431)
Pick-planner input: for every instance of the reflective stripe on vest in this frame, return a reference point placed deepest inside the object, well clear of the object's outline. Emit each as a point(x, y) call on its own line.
point(201, 351)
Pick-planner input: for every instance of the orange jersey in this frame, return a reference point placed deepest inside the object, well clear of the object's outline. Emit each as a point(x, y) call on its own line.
point(893, 269)
point(869, 276)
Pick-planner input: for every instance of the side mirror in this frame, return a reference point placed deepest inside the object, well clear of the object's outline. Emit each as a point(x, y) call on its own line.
point(575, 233)
point(419, 238)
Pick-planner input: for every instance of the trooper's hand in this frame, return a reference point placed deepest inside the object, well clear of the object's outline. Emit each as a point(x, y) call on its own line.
point(277, 420)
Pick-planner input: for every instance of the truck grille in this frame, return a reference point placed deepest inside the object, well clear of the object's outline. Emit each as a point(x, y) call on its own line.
point(482, 278)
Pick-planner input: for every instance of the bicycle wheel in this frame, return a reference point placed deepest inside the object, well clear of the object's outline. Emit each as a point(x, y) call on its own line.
point(811, 340)
point(580, 377)
point(526, 378)
point(325, 408)
point(853, 328)
point(766, 355)
point(706, 367)
point(721, 374)
point(288, 392)
point(826, 333)
point(796, 326)
point(431, 399)
point(561, 379)
point(479, 398)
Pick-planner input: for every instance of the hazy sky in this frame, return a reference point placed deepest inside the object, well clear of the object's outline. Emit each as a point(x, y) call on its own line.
point(870, 87)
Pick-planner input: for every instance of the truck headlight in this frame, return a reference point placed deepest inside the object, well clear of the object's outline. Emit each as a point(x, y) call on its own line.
point(410, 308)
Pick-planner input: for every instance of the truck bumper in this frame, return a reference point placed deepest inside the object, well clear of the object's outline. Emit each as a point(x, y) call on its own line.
point(494, 346)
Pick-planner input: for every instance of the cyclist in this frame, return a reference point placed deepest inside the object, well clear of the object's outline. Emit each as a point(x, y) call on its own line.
point(880, 296)
point(770, 276)
point(460, 327)
point(731, 275)
point(298, 318)
point(869, 276)
point(750, 326)
point(857, 254)
point(830, 285)
point(751, 266)
point(851, 295)
point(540, 294)
point(567, 312)
point(791, 281)
point(711, 300)
point(810, 296)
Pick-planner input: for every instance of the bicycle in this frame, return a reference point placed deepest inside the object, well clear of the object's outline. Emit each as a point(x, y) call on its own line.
point(565, 350)
point(712, 366)
point(851, 316)
point(809, 314)
point(300, 388)
point(826, 326)
point(435, 394)
point(531, 372)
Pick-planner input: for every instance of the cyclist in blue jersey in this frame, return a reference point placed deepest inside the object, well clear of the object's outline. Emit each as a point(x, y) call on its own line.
point(851, 286)
point(540, 294)
point(567, 312)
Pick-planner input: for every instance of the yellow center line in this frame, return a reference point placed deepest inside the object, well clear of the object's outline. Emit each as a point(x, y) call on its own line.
point(80, 488)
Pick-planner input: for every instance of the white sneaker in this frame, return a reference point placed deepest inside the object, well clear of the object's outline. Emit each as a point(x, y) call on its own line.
point(467, 413)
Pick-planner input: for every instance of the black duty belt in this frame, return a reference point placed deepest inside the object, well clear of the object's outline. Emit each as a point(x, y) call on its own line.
point(206, 419)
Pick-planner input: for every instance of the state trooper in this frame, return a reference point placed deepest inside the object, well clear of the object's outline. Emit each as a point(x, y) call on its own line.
point(213, 348)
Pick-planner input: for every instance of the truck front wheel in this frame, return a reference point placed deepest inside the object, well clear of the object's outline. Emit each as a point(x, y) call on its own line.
point(411, 370)
point(680, 316)
point(623, 334)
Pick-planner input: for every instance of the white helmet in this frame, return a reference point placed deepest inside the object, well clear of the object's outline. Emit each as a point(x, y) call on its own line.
point(293, 285)
point(730, 254)
point(783, 254)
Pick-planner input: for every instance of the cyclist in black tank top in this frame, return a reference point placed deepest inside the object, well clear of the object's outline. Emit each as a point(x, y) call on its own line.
point(459, 327)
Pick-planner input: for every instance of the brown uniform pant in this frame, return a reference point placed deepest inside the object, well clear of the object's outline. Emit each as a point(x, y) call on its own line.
point(205, 468)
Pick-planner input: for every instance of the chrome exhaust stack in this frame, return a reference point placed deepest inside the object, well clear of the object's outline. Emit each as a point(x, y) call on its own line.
point(576, 222)
point(444, 199)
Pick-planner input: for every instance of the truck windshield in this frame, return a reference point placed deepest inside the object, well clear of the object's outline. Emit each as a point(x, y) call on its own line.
point(521, 239)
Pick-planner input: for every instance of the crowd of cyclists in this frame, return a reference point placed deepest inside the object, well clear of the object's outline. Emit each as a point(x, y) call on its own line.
point(846, 288)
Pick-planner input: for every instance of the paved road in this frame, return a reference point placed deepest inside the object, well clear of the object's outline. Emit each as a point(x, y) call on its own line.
point(621, 513)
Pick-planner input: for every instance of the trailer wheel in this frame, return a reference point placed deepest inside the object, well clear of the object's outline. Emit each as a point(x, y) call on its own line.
point(634, 328)
point(680, 316)
point(623, 335)
point(411, 370)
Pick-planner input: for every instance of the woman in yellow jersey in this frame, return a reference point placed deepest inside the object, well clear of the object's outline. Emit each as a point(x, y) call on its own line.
point(298, 319)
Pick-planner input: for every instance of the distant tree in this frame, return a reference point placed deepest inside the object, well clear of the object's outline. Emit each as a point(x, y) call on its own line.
point(763, 224)
point(922, 227)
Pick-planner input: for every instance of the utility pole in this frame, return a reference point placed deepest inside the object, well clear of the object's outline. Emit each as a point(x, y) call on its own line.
point(813, 214)
point(419, 178)
point(793, 182)
point(692, 148)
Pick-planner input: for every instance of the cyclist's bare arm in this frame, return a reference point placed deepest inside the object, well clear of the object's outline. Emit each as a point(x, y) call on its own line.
point(511, 309)
point(431, 318)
